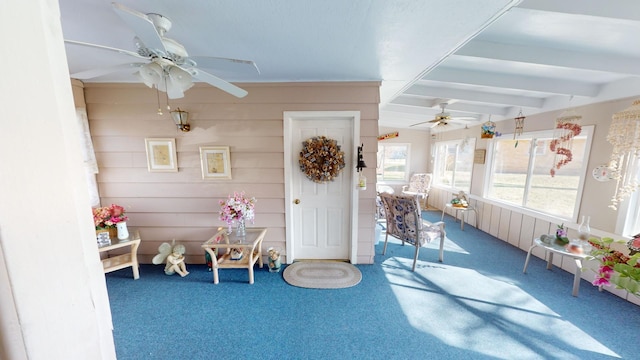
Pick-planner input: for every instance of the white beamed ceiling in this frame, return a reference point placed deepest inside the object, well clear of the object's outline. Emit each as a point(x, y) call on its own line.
point(484, 58)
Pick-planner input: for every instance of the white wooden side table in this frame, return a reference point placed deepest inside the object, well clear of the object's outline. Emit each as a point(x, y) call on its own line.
point(116, 262)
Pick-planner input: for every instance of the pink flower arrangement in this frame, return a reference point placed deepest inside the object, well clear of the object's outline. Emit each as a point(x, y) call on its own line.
point(108, 216)
point(237, 207)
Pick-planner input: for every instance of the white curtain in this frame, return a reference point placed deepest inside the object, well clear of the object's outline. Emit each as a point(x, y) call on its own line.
point(88, 156)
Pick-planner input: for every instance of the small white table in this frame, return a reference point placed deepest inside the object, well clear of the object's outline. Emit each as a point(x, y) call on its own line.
point(463, 210)
point(551, 249)
point(112, 263)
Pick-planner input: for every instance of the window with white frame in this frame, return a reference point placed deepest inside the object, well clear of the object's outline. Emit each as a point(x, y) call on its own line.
point(453, 162)
point(519, 173)
point(393, 162)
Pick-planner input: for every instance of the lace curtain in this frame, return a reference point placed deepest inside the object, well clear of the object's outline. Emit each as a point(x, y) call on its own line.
point(88, 156)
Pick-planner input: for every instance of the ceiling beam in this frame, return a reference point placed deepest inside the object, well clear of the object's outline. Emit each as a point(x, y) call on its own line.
point(469, 109)
point(422, 89)
point(620, 9)
point(552, 57)
point(510, 81)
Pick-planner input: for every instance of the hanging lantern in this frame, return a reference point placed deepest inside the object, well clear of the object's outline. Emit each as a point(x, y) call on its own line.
point(624, 135)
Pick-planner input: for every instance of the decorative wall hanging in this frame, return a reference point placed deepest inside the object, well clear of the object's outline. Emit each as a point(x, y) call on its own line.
point(321, 159)
point(388, 136)
point(488, 130)
point(567, 127)
point(624, 135)
point(519, 120)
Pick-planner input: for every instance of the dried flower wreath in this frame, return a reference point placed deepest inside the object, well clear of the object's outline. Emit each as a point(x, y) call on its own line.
point(321, 159)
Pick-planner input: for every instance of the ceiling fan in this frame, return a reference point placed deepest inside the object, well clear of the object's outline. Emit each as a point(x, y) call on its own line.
point(443, 118)
point(166, 64)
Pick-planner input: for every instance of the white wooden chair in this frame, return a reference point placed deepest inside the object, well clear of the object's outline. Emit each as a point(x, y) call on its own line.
point(404, 222)
point(419, 185)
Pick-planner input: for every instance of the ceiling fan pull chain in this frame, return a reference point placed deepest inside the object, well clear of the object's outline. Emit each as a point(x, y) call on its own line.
point(158, 97)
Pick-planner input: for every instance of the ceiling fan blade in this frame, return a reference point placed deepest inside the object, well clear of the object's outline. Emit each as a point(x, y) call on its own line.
point(225, 64)
point(122, 51)
point(219, 83)
point(141, 25)
point(94, 73)
point(464, 118)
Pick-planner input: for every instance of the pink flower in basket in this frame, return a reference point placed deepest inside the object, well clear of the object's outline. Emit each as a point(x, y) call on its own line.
point(108, 216)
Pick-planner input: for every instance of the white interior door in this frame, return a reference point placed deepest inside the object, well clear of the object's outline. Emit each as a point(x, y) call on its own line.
point(319, 215)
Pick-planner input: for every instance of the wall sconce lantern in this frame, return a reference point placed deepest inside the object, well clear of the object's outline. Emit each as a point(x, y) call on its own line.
point(181, 118)
point(362, 180)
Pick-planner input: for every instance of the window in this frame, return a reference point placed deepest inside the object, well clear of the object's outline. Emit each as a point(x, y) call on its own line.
point(393, 162)
point(520, 173)
point(453, 163)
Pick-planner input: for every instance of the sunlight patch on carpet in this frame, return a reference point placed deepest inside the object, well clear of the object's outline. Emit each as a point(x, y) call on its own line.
point(493, 312)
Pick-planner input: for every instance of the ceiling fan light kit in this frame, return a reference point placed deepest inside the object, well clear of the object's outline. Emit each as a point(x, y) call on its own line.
point(169, 68)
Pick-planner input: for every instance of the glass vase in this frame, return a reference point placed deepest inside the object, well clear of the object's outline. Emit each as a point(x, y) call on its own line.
point(584, 230)
point(241, 230)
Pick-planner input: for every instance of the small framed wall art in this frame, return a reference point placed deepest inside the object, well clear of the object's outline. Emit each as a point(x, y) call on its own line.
point(216, 162)
point(161, 155)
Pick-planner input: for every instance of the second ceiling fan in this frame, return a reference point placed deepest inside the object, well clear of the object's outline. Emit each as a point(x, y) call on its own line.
point(443, 118)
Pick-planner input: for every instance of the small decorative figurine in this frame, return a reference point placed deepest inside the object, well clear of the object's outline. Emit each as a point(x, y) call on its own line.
point(174, 255)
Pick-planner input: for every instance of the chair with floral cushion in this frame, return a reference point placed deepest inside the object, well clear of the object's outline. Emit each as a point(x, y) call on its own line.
point(404, 222)
point(419, 186)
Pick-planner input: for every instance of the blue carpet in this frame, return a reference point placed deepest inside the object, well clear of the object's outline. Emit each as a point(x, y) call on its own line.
point(477, 304)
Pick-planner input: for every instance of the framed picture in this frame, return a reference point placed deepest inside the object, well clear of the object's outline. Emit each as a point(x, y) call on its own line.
point(161, 155)
point(215, 161)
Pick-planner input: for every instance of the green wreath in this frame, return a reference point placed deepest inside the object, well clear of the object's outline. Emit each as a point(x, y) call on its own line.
point(321, 159)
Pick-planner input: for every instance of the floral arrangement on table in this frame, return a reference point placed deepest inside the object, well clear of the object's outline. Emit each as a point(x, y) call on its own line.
point(616, 268)
point(238, 207)
point(567, 127)
point(321, 159)
point(107, 217)
point(561, 235)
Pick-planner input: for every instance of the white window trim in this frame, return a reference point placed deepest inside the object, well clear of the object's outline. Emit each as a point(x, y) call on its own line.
point(407, 174)
point(586, 130)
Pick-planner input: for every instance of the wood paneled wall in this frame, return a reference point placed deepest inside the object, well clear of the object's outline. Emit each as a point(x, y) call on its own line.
point(183, 206)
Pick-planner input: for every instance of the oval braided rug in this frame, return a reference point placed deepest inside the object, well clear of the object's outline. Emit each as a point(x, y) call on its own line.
point(322, 274)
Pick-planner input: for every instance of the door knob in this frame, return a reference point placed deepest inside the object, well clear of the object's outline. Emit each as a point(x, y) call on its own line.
point(296, 201)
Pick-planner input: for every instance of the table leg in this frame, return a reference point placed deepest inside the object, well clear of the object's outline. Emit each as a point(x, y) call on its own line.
point(214, 270)
point(442, 217)
point(136, 271)
point(526, 262)
point(576, 277)
point(461, 219)
point(550, 261)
